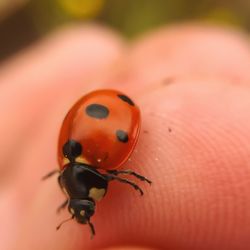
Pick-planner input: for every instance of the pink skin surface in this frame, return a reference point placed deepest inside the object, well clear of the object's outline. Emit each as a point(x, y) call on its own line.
point(192, 84)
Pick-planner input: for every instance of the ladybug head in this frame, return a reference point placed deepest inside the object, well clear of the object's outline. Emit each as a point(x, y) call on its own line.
point(81, 210)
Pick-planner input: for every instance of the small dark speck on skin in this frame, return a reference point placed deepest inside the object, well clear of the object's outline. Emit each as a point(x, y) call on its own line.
point(169, 130)
point(145, 131)
point(168, 80)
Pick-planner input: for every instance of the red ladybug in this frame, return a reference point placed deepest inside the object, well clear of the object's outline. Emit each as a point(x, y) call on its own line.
point(99, 132)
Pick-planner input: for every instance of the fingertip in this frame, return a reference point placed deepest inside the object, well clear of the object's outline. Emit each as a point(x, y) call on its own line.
point(201, 166)
point(75, 49)
point(190, 50)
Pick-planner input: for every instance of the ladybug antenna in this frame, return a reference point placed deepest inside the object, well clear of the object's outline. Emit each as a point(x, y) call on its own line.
point(71, 218)
point(50, 174)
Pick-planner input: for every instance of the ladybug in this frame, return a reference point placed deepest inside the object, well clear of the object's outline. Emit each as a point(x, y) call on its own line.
point(97, 137)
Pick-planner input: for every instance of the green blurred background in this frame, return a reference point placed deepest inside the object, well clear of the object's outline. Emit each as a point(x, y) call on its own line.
point(24, 21)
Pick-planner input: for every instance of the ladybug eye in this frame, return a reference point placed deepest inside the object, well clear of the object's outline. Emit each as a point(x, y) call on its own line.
point(72, 149)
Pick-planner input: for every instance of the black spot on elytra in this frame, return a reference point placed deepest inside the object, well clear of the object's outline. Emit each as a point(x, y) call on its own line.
point(97, 111)
point(126, 99)
point(122, 136)
point(72, 149)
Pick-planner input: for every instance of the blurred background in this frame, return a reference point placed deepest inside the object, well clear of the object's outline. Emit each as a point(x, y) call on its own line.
point(24, 21)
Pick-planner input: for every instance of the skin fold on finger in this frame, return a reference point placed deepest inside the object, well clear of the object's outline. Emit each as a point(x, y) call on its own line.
point(192, 51)
point(59, 69)
point(194, 146)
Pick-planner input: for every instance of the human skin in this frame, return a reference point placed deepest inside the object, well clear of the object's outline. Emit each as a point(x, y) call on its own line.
point(192, 85)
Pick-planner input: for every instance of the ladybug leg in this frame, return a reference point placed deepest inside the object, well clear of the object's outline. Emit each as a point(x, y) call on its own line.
point(62, 206)
point(114, 177)
point(130, 172)
point(50, 174)
point(92, 229)
point(71, 218)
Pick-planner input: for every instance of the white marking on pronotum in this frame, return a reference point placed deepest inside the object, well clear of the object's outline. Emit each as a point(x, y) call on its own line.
point(81, 159)
point(65, 161)
point(96, 193)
